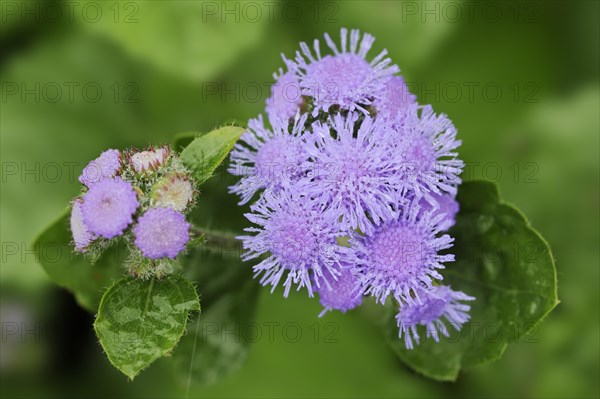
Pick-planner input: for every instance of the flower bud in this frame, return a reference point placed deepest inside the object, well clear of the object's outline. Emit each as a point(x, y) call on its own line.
point(149, 160)
point(173, 191)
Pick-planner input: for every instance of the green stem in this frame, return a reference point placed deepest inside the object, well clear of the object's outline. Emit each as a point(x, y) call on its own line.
point(216, 236)
point(217, 239)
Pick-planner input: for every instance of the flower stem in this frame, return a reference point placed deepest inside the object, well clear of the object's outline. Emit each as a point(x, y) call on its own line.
point(216, 239)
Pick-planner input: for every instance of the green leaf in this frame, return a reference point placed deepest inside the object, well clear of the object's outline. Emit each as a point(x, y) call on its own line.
point(73, 271)
point(503, 262)
point(186, 39)
point(205, 153)
point(141, 320)
point(217, 345)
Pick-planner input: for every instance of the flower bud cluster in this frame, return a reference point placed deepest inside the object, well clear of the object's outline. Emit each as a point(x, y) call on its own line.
point(140, 198)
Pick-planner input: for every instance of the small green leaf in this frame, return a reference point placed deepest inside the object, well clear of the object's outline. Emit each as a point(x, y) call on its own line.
point(205, 153)
point(73, 271)
point(503, 262)
point(217, 345)
point(139, 321)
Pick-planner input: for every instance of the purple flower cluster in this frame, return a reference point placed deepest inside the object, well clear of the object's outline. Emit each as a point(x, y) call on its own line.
point(355, 185)
point(138, 195)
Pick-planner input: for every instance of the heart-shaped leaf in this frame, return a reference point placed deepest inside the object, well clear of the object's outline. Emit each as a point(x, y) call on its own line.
point(139, 321)
point(73, 271)
point(205, 153)
point(503, 262)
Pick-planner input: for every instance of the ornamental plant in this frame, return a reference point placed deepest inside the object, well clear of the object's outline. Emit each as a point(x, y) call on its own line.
point(354, 195)
point(154, 188)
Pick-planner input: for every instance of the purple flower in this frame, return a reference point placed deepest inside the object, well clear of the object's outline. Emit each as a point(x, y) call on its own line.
point(436, 303)
point(442, 203)
point(267, 158)
point(340, 294)
point(354, 171)
point(286, 97)
point(401, 256)
point(300, 237)
point(161, 232)
point(427, 143)
point(105, 166)
point(345, 78)
point(394, 101)
point(81, 235)
point(108, 207)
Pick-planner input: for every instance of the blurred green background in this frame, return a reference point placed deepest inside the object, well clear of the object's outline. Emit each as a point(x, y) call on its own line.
point(519, 79)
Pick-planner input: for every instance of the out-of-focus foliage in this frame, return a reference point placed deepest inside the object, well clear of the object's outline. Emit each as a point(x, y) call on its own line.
point(183, 38)
point(538, 139)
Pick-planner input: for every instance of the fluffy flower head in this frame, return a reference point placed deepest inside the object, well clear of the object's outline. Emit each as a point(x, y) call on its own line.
point(346, 78)
point(341, 293)
point(267, 158)
point(441, 203)
point(428, 146)
point(300, 238)
point(107, 165)
point(395, 99)
point(161, 232)
point(286, 97)
point(355, 174)
point(437, 304)
point(108, 207)
point(401, 256)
